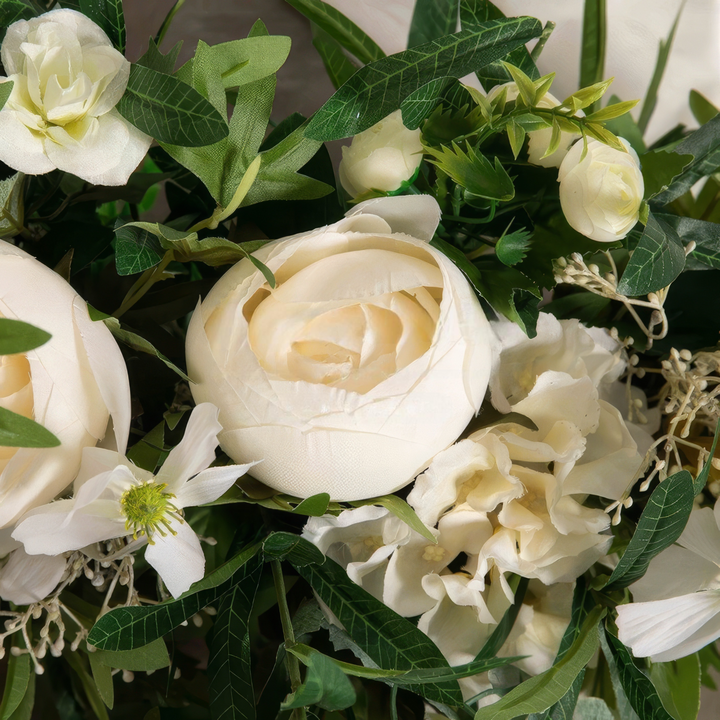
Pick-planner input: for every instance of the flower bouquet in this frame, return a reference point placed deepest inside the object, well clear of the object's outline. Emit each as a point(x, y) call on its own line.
point(426, 434)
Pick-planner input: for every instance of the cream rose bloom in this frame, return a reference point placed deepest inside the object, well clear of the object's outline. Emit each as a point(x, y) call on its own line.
point(72, 384)
point(382, 157)
point(67, 80)
point(601, 194)
point(369, 357)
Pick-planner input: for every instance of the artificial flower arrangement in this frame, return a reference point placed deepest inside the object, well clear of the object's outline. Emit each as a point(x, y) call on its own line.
point(442, 450)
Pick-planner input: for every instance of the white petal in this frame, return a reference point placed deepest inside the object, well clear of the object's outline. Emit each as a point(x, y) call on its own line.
point(210, 484)
point(415, 215)
point(195, 451)
point(178, 559)
point(27, 578)
point(21, 149)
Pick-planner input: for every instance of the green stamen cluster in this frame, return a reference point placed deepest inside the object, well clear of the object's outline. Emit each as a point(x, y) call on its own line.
point(148, 510)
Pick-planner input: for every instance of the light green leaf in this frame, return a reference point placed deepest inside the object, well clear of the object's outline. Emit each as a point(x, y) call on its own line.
point(102, 676)
point(592, 58)
point(335, 24)
point(610, 112)
point(592, 708)
point(148, 658)
point(155, 60)
point(660, 168)
point(586, 96)
point(380, 88)
point(132, 627)
point(229, 666)
point(703, 110)
point(314, 506)
point(662, 58)
point(391, 641)
point(656, 261)
point(542, 691)
point(516, 137)
point(77, 663)
point(293, 548)
point(17, 336)
point(660, 525)
point(108, 14)
point(24, 711)
point(5, 90)
point(12, 207)
point(401, 510)
point(170, 110)
point(638, 689)
point(20, 431)
point(678, 684)
point(136, 250)
point(325, 685)
point(17, 684)
point(338, 65)
point(432, 19)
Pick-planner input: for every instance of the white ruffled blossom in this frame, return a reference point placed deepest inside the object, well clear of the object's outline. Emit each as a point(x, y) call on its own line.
point(114, 498)
point(74, 384)
point(61, 112)
point(370, 355)
point(382, 157)
point(601, 194)
point(677, 613)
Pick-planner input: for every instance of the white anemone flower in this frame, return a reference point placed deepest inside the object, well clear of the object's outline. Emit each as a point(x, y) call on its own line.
point(114, 498)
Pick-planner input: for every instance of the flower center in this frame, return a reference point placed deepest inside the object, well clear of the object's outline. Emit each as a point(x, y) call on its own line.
point(433, 553)
point(148, 509)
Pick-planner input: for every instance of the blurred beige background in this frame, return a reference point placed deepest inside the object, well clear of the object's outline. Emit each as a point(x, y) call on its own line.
point(302, 82)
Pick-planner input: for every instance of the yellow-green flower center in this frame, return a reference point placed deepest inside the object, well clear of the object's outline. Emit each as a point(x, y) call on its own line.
point(148, 509)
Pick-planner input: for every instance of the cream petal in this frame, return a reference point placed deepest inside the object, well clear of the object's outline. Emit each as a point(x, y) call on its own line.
point(27, 579)
point(415, 215)
point(178, 558)
point(20, 148)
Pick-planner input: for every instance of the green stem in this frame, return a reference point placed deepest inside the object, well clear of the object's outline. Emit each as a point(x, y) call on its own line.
point(168, 21)
point(146, 281)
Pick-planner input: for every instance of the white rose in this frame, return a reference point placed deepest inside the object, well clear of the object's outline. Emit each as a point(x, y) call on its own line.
point(67, 80)
point(382, 157)
point(539, 140)
point(369, 357)
point(72, 384)
point(601, 195)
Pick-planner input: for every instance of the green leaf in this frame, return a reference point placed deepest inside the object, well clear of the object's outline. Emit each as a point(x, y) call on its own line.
point(678, 684)
point(5, 92)
point(660, 168)
point(473, 13)
point(148, 658)
point(474, 172)
point(704, 146)
point(24, 711)
point(705, 235)
point(380, 88)
point(638, 689)
point(102, 676)
point(656, 261)
point(12, 208)
point(140, 344)
point(325, 685)
point(132, 627)
point(512, 247)
point(586, 96)
point(592, 58)
point(516, 136)
point(703, 110)
point(170, 110)
point(22, 432)
point(391, 641)
point(335, 24)
point(17, 336)
point(702, 478)
point(293, 548)
point(401, 510)
point(108, 14)
point(626, 127)
point(612, 111)
point(660, 525)
point(314, 506)
point(229, 666)
point(76, 662)
point(662, 58)
point(146, 454)
point(419, 105)
point(136, 250)
point(338, 65)
point(592, 708)
point(17, 684)
point(542, 691)
point(432, 19)
point(155, 60)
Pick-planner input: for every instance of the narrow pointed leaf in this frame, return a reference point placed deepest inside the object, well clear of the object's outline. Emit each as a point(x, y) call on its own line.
point(592, 59)
point(17, 684)
point(20, 431)
point(17, 336)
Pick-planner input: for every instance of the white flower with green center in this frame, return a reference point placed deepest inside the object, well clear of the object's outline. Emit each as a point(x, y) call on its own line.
point(114, 498)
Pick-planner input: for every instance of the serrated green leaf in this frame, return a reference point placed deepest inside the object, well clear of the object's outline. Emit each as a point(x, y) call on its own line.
point(656, 261)
point(132, 627)
point(17, 336)
point(108, 14)
point(512, 247)
point(391, 641)
point(432, 19)
point(703, 110)
point(102, 676)
point(136, 250)
point(660, 525)
point(12, 208)
point(542, 691)
point(592, 54)
point(638, 689)
point(346, 32)
point(660, 168)
point(20, 431)
point(325, 685)
point(293, 548)
point(473, 172)
point(17, 684)
point(170, 110)
point(229, 666)
point(155, 60)
point(380, 88)
point(338, 65)
point(401, 510)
